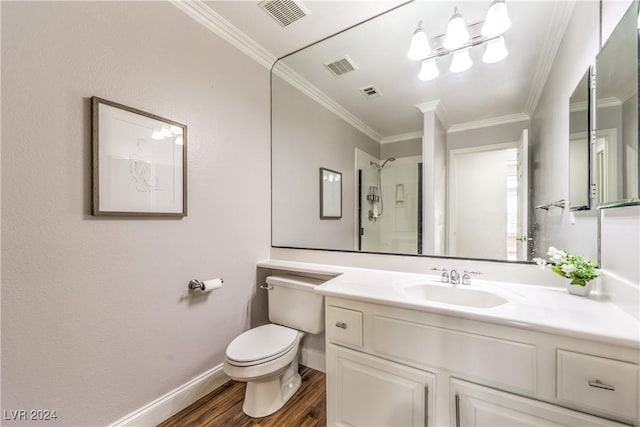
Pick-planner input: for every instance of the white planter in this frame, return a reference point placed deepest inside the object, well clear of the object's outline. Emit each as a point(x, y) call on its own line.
point(582, 291)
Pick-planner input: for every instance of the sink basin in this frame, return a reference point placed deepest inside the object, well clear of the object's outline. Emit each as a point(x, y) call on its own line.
point(458, 295)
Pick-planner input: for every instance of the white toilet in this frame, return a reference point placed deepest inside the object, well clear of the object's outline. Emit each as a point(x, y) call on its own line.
point(266, 357)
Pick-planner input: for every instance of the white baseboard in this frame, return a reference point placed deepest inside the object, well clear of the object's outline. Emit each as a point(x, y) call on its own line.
point(313, 359)
point(177, 399)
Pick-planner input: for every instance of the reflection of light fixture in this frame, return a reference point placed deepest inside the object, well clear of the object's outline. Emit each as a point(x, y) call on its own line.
point(497, 21)
point(461, 61)
point(419, 44)
point(496, 51)
point(157, 134)
point(429, 70)
point(166, 132)
point(175, 130)
point(457, 41)
point(179, 140)
point(457, 33)
point(639, 21)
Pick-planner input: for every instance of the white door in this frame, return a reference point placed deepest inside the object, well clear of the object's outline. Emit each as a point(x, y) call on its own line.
point(363, 390)
point(478, 406)
point(523, 196)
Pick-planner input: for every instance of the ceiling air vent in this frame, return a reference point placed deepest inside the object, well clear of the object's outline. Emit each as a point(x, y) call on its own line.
point(370, 92)
point(341, 66)
point(285, 12)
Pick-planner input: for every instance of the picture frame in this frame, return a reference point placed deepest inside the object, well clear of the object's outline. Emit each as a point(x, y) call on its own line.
point(139, 162)
point(330, 194)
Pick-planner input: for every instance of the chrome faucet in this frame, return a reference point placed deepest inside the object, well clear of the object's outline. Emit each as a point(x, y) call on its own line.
point(454, 277)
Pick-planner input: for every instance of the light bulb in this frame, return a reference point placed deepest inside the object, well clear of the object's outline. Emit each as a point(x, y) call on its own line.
point(497, 20)
point(419, 44)
point(496, 51)
point(428, 70)
point(461, 61)
point(457, 33)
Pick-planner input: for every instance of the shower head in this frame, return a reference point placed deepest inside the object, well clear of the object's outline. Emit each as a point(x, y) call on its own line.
point(390, 159)
point(379, 167)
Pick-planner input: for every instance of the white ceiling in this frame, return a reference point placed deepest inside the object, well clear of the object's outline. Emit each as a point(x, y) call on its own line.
point(379, 46)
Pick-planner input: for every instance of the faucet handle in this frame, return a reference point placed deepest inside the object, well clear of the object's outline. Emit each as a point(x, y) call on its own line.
point(444, 278)
point(466, 279)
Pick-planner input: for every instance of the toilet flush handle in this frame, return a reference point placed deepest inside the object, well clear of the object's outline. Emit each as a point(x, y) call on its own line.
point(267, 287)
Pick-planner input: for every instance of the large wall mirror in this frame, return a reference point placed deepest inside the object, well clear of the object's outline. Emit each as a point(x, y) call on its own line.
point(616, 146)
point(444, 155)
point(580, 127)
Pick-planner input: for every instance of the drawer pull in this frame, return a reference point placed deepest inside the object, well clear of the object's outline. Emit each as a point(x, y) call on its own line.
point(600, 384)
point(341, 325)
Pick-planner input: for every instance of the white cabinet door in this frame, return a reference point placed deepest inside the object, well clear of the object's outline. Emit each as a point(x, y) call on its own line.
point(475, 405)
point(363, 390)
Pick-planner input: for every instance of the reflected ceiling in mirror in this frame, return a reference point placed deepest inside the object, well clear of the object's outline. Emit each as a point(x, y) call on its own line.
point(354, 101)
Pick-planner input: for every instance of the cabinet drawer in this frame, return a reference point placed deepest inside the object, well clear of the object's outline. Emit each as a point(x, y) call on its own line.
point(605, 385)
point(344, 326)
point(504, 363)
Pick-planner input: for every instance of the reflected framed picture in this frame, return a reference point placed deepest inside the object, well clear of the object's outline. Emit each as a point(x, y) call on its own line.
point(139, 162)
point(330, 194)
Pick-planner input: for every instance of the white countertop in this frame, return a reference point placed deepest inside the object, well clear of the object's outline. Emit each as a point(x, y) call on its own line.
point(539, 308)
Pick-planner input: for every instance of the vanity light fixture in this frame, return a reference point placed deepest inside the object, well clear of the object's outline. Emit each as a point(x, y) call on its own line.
point(419, 44)
point(429, 70)
point(496, 51)
point(497, 20)
point(457, 33)
point(461, 61)
point(458, 41)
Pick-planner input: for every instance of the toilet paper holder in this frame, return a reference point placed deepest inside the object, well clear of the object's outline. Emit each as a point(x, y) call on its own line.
point(198, 284)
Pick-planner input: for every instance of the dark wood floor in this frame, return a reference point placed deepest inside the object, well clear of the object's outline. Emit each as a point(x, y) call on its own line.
point(223, 407)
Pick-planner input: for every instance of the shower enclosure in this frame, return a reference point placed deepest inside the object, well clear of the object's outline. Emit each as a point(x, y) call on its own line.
point(389, 204)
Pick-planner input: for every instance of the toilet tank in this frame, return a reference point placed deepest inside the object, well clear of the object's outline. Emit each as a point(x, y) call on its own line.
point(293, 303)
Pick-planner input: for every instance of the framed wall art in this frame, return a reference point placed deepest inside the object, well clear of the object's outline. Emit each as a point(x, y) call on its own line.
point(139, 162)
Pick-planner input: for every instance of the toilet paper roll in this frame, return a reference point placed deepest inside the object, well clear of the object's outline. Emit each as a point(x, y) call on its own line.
point(212, 284)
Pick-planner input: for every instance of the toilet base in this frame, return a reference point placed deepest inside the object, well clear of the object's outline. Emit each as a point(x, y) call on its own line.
point(263, 398)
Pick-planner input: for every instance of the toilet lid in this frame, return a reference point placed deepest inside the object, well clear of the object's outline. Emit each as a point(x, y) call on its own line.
point(261, 343)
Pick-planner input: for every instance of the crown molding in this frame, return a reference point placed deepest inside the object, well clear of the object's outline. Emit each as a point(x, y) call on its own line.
point(296, 80)
point(609, 102)
point(559, 21)
point(577, 106)
point(494, 121)
point(206, 16)
point(401, 137)
point(438, 108)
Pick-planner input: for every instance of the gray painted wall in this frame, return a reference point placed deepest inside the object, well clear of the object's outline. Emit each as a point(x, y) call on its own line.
point(498, 134)
point(409, 148)
point(306, 136)
point(550, 139)
point(95, 317)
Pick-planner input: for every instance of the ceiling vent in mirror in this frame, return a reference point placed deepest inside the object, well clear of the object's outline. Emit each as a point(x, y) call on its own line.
point(341, 66)
point(285, 12)
point(370, 92)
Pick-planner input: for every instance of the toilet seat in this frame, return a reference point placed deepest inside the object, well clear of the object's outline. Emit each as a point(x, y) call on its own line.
point(261, 345)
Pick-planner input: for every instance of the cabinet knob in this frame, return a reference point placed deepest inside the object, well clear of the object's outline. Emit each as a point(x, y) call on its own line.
point(341, 325)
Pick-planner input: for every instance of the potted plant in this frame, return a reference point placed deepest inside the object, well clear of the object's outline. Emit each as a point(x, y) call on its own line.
point(580, 270)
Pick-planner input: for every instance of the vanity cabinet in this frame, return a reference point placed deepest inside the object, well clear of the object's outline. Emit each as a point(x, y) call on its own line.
point(390, 366)
point(369, 391)
point(478, 406)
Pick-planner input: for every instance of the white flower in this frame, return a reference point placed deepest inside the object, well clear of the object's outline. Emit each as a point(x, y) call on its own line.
point(557, 256)
point(541, 262)
point(567, 269)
